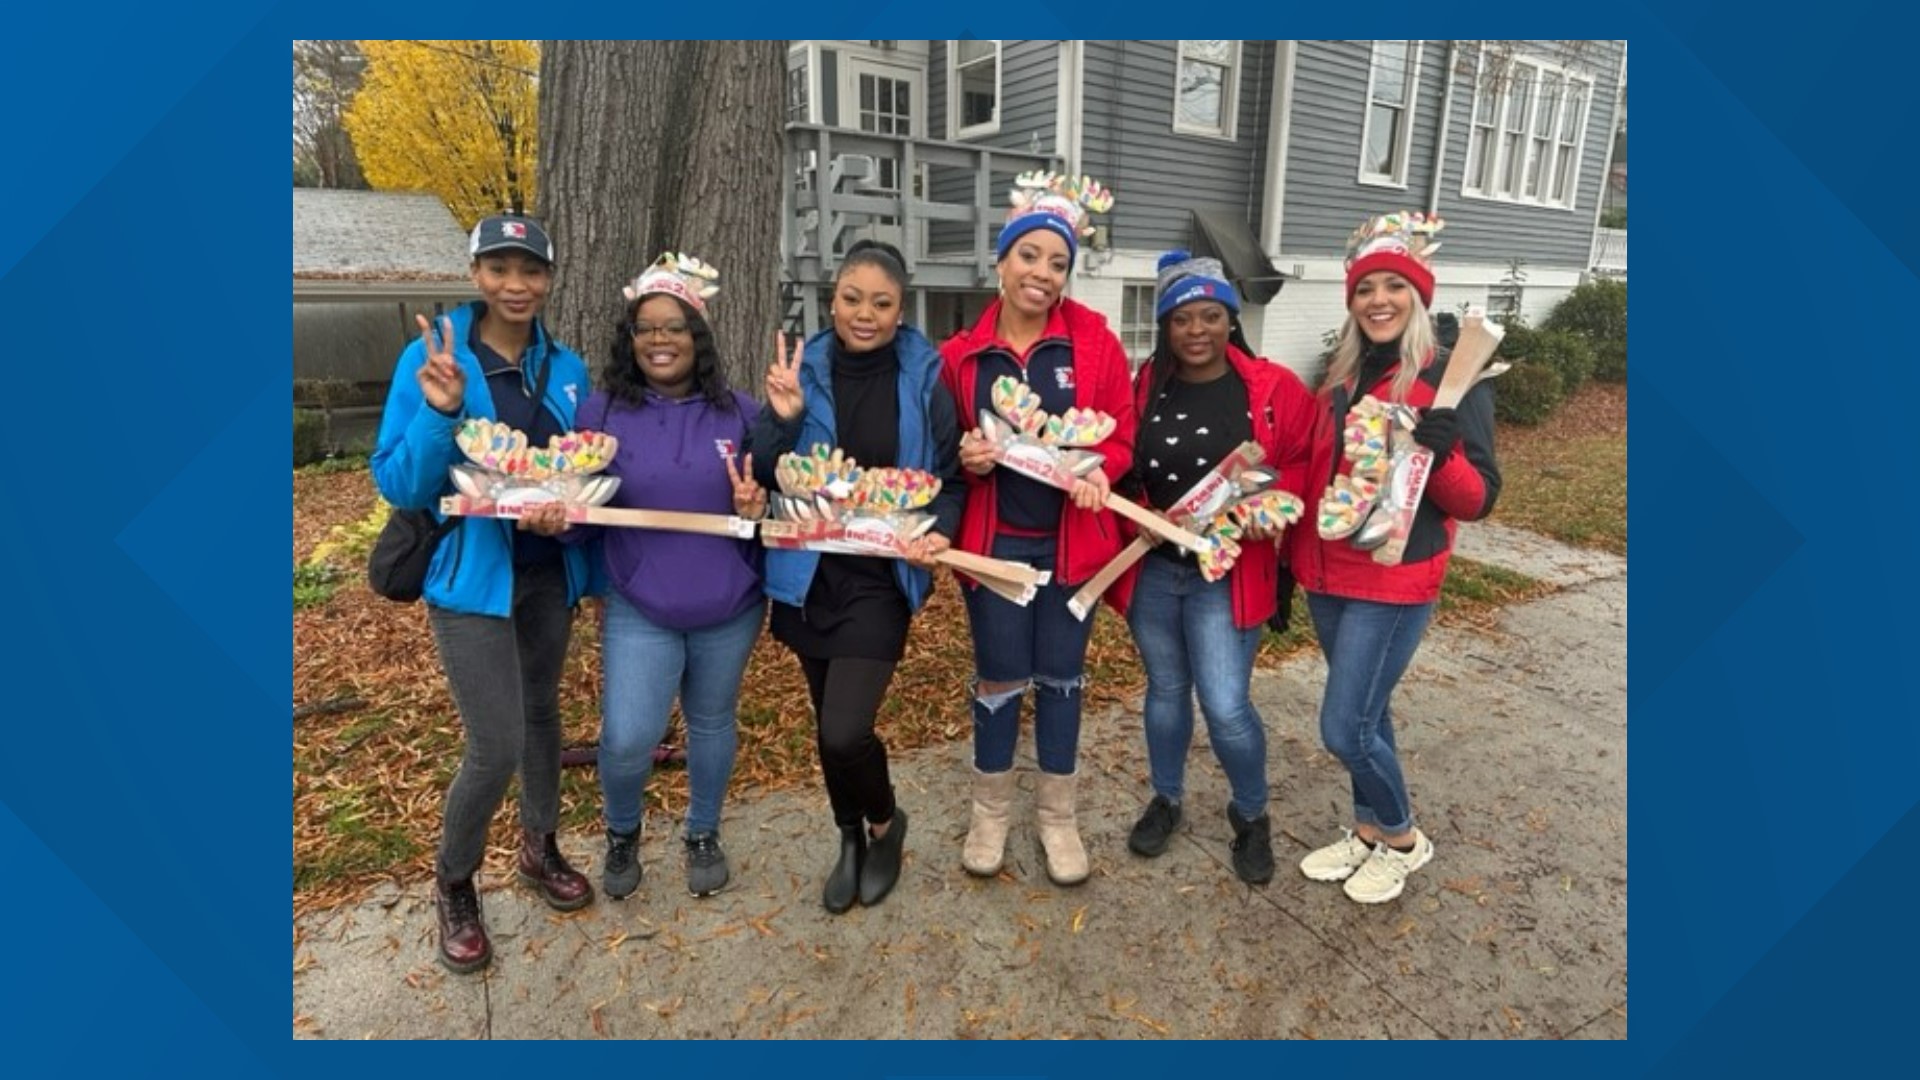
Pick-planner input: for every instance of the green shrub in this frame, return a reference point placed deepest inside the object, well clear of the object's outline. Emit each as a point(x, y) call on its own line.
point(1569, 354)
point(309, 437)
point(1610, 362)
point(1596, 310)
point(1518, 344)
point(1615, 218)
point(1528, 394)
point(345, 461)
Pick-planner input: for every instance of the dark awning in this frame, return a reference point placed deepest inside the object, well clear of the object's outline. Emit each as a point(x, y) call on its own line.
point(1226, 236)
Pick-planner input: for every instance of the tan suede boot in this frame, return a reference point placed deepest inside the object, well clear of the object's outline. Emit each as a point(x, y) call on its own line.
point(1059, 832)
point(987, 836)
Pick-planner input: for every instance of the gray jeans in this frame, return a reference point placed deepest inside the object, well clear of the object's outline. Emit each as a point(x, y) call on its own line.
point(505, 677)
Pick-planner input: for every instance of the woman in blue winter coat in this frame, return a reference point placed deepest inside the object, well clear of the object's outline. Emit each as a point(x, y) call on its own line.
point(684, 609)
point(500, 595)
point(870, 387)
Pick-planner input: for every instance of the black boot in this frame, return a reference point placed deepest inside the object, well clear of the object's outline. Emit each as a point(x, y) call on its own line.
point(843, 884)
point(882, 868)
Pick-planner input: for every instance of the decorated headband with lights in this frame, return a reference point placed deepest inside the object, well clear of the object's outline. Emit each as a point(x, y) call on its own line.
point(1056, 203)
point(1401, 242)
point(677, 275)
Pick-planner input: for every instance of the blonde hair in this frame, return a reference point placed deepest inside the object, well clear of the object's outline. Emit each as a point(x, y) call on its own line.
point(1417, 343)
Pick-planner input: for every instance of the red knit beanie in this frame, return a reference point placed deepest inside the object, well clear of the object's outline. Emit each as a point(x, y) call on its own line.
point(1402, 243)
point(1400, 263)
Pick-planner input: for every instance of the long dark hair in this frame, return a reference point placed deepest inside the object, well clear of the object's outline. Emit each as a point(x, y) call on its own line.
point(621, 377)
point(1164, 363)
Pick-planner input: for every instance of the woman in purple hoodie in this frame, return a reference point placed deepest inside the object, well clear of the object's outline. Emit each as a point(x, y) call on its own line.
point(684, 609)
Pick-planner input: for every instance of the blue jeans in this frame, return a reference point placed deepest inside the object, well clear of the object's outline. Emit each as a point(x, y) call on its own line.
point(1368, 646)
point(644, 666)
point(1041, 645)
point(1183, 625)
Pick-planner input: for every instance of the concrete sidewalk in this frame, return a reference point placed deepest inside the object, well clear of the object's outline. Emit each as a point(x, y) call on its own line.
point(1515, 744)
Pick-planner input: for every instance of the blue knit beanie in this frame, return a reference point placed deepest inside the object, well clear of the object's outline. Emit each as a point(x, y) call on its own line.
point(1038, 219)
point(1185, 279)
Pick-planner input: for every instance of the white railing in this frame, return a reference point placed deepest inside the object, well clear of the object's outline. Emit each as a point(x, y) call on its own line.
point(1609, 251)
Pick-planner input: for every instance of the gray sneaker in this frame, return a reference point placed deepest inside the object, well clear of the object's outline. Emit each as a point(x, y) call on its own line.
point(621, 871)
point(706, 865)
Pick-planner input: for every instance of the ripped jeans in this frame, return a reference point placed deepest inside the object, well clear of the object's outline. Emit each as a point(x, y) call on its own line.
point(1041, 645)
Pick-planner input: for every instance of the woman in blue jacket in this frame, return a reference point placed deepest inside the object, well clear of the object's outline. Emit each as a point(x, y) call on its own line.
point(870, 387)
point(684, 609)
point(500, 596)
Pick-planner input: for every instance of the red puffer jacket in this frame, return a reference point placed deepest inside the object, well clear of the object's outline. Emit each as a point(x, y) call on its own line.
point(1283, 429)
point(1464, 489)
point(1087, 540)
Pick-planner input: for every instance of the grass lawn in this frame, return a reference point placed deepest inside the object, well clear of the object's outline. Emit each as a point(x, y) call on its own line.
point(1567, 478)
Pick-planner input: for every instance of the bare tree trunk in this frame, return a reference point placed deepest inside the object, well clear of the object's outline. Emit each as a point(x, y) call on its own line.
point(650, 146)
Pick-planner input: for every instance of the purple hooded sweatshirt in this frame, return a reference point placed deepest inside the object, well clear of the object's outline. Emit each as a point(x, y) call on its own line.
point(672, 457)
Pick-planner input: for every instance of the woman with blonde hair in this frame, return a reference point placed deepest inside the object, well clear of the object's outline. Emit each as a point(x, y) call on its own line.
point(1369, 616)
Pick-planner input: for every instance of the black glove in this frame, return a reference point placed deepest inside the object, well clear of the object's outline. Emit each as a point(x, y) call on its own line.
point(1438, 431)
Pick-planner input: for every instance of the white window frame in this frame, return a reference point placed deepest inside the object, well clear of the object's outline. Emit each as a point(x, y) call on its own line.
point(1229, 96)
point(1408, 106)
point(1504, 301)
point(955, 106)
point(1530, 75)
point(1138, 331)
point(809, 56)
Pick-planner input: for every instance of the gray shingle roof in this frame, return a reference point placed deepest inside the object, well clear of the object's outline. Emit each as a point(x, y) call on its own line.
point(376, 236)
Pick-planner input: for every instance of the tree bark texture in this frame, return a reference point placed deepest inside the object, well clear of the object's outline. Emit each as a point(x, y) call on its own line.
point(652, 146)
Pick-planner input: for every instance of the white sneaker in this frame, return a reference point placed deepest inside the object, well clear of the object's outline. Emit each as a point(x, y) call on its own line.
point(1384, 874)
point(1337, 860)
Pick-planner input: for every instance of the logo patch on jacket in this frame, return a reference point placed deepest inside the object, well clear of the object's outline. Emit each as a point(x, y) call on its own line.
point(1063, 377)
point(725, 448)
point(573, 393)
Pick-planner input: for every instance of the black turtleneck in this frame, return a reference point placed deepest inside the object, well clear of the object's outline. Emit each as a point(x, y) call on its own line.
point(1375, 361)
point(866, 402)
point(853, 607)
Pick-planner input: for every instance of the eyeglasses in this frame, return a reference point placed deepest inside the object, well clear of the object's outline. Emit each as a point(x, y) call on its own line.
point(672, 329)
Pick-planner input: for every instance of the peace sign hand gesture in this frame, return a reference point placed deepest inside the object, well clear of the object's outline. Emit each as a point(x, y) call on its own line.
point(441, 379)
point(783, 379)
point(749, 498)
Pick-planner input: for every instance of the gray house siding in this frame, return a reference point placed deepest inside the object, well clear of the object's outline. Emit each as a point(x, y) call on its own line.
point(1158, 175)
point(1029, 87)
point(1325, 200)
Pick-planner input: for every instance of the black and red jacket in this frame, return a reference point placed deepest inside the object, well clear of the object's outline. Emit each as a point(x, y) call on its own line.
point(1087, 540)
point(1282, 410)
point(1464, 489)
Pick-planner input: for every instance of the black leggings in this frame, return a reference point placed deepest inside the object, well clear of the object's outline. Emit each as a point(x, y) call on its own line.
point(846, 697)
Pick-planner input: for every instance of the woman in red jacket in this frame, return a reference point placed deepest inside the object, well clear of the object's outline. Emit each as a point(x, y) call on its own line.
point(1199, 398)
point(1370, 617)
point(1066, 354)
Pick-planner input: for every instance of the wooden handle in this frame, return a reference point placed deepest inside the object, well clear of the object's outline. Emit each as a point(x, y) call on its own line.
point(1472, 352)
point(673, 520)
point(1154, 523)
point(980, 566)
point(1082, 603)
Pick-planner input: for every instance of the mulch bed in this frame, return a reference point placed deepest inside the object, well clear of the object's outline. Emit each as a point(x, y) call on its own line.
point(375, 738)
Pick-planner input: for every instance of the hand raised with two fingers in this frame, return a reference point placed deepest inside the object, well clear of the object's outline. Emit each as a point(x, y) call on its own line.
point(442, 381)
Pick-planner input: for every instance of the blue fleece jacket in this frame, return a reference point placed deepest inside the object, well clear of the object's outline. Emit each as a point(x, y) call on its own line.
point(790, 573)
point(472, 570)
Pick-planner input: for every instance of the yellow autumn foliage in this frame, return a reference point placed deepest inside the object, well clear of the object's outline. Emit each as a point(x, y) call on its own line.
point(456, 118)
